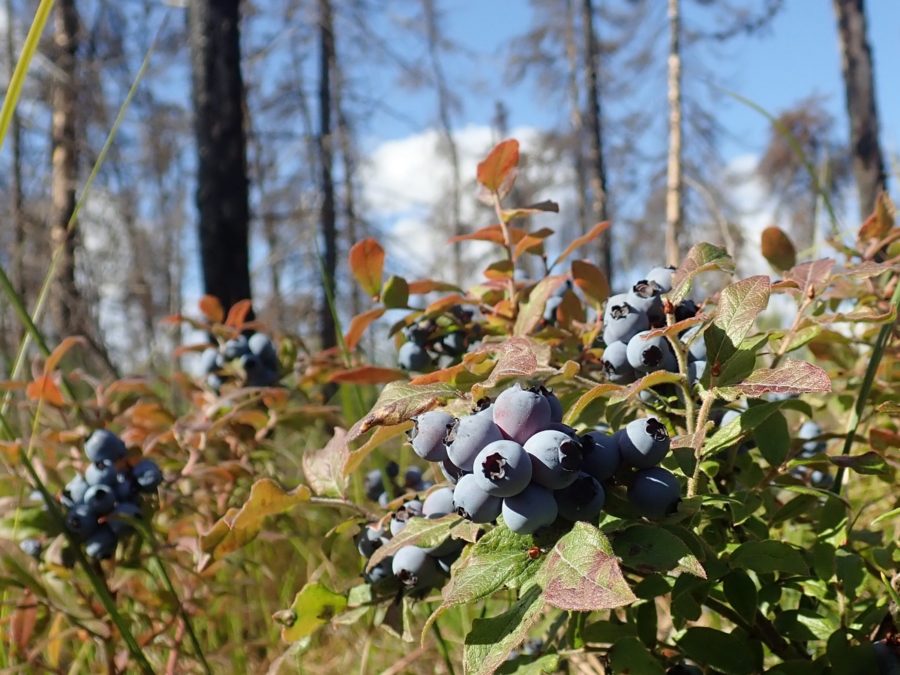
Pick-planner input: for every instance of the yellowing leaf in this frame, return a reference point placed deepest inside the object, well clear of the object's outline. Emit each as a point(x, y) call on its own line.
point(324, 469)
point(366, 260)
point(313, 607)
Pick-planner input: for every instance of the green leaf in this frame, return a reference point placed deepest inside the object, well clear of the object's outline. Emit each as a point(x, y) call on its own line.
point(529, 665)
point(646, 620)
point(731, 654)
point(582, 573)
point(313, 607)
point(867, 463)
point(739, 305)
point(648, 381)
point(648, 548)
point(741, 364)
point(424, 532)
point(740, 591)
point(804, 625)
point(630, 655)
point(701, 258)
point(491, 640)
point(531, 313)
point(766, 557)
point(395, 292)
point(773, 438)
point(736, 430)
point(797, 667)
point(607, 632)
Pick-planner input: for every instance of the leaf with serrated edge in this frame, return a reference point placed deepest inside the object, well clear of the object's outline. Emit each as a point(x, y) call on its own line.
point(582, 573)
point(424, 532)
point(791, 377)
point(400, 401)
point(739, 305)
point(701, 258)
point(324, 469)
point(651, 548)
point(491, 640)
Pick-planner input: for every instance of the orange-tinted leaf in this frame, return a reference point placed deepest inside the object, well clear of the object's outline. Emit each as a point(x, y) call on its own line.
point(440, 305)
point(881, 220)
point(495, 171)
point(595, 232)
point(531, 313)
point(324, 469)
point(367, 264)
point(359, 324)
point(211, 308)
point(238, 313)
point(367, 375)
point(778, 249)
point(570, 309)
point(428, 285)
point(60, 351)
point(547, 206)
point(43, 388)
point(502, 269)
point(532, 242)
point(491, 233)
point(516, 357)
point(591, 280)
point(443, 375)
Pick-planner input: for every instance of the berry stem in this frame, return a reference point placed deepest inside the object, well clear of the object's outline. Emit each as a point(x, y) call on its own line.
point(699, 435)
point(681, 358)
point(507, 244)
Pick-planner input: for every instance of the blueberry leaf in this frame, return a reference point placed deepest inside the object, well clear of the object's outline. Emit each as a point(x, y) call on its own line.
point(313, 607)
point(701, 258)
point(491, 640)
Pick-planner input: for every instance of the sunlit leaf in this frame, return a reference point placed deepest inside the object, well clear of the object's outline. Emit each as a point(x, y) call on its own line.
point(60, 350)
point(324, 468)
point(591, 280)
point(531, 313)
point(791, 377)
point(44, 388)
point(739, 305)
point(881, 221)
point(211, 308)
point(491, 640)
point(400, 401)
point(587, 238)
point(238, 313)
point(778, 248)
point(367, 375)
point(313, 607)
point(395, 292)
point(359, 324)
point(700, 258)
point(496, 170)
point(366, 260)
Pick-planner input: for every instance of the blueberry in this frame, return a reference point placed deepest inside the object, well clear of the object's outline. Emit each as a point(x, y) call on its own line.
point(100, 473)
point(261, 345)
point(622, 320)
point(530, 510)
point(454, 343)
point(74, 491)
point(392, 469)
point(582, 500)
point(208, 360)
point(413, 357)
point(452, 472)
point(648, 354)
point(661, 278)
point(468, 435)
point(473, 503)
point(147, 474)
point(696, 370)
point(117, 521)
point(686, 309)
point(521, 413)
point(369, 540)
point(820, 479)
point(236, 348)
point(615, 364)
point(684, 669)
point(556, 409)
point(373, 486)
point(100, 499)
point(257, 374)
point(125, 486)
point(646, 298)
point(643, 442)
point(102, 543)
point(550, 308)
point(104, 446)
point(381, 572)
point(214, 382)
point(81, 521)
point(31, 547)
point(438, 503)
point(412, 478)
point(502, 468)
point(383, 500)
point(563, 428)
point(402, 516)
point(427, 435)
point(809, 432)
point(415, 568)
point(555, 458)
point(654, 492)
point(697, 347)
point(600, 455)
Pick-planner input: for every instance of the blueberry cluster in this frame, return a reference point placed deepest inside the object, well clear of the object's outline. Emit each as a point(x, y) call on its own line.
point(98, 502)
point(515, 457)
point(253, 358)
point(383, 487)
point(415, 568)
point(431, 341)
point(628, 319)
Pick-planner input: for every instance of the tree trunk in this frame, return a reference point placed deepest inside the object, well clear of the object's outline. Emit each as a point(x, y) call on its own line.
point(859, 87)
point(222, 186)
point(594, 123)
point(64, 175)
point(443, 96)
point(674, 178)
point(327, 215)
point(575, 118)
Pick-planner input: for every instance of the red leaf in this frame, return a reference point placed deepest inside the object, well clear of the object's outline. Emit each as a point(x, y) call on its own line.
point(237, 315)
point(591, 280)
point(595, 232)
point(359, 324)
point(211, 308)
point(791, 377)
point(495, 171)
point(424, 286)
point(60, 351)
point(43, 388)
point(367, 375)
point(367, 264)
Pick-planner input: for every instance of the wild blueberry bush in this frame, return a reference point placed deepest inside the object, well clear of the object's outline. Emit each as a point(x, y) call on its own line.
point(549, 476)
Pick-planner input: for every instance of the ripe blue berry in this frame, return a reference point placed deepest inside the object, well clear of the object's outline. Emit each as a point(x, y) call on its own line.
point(427, 435)
point(697, 346)
point(125, 486)
point(31, 547)
point(468, 435)
point(582, 500)
point(530, 510)
point(686, 309)
point(261, 345)
point(622, 320)
point(381, 572)
point(100, 499)
point(473, 503)
point(696, 370)
point(809, 432)
point(438, 503)
point(521, 413)
point(100, 473)
point(454, 343)
point(556, 409)
point(104, 446)
point(451, 472)
point(74, 491)
point(502, 468)
point(887, 657)
point(102, 543)
point(415, 568)
point(615, 364)
point(661, 278)
point(369, 540)
point(648, 354)
point(555, 458)
point(402, 516)
point(413, 357)
point(147, 475)
point(654, 492)
point(235, 348)
point(81, 521)
point(117, 521)
point(645, 297)
point(643, 442)
point(209, 360)
point(600, 455)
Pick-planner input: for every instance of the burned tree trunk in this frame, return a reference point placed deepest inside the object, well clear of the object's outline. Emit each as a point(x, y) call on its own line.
point(674, 178)
point(327, 214)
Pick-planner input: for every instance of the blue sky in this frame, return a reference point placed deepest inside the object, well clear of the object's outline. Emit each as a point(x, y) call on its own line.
point(795, 57)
